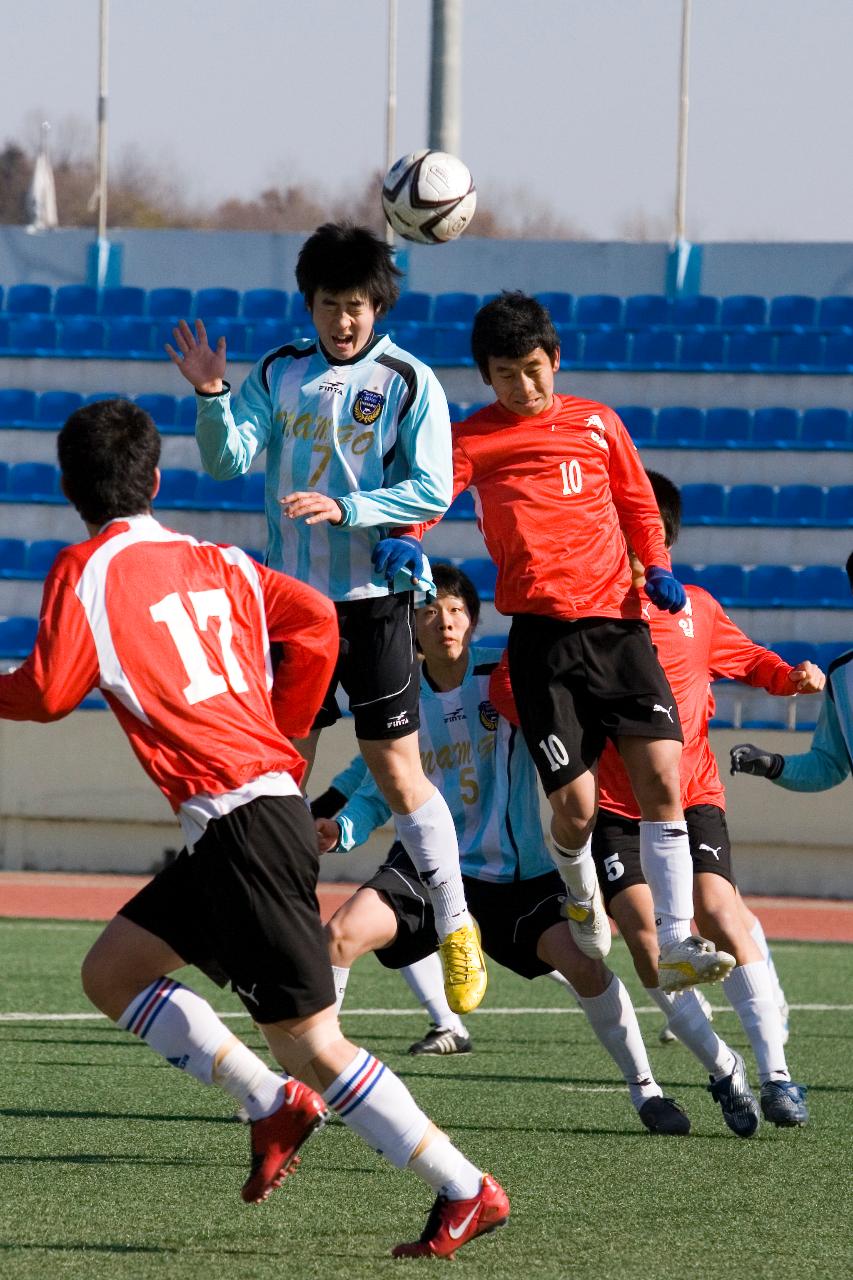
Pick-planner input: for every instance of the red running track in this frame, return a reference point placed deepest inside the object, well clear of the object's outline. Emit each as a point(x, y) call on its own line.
point(72, 896)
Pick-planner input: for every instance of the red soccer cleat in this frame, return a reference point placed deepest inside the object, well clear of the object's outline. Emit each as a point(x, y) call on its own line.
point(452, 1223)
point(277, 1138)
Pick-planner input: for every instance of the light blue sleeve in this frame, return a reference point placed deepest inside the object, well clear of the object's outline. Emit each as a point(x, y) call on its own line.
point(350, 778)
point(425, 463)
point(363, 813)
point(230, 432)
point(825, 764)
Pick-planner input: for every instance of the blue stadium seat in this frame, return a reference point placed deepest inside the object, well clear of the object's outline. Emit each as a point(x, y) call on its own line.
point(483, 574)
point(597, 309)
point(29, 299)
point(799, 352)
point(771, 586)
point(75, 300)
point(839, 504)
point(826, 426)
point(95, 396)
point(750, 503)
point(254, 492)
point(455, 308)
point(177, 486)
point(800, 504)
point(216, 301)
point(235, 333)
point(639, 420)
point(419, 339)
point(33, 480)
point(267, 335)
point(829, 650)
point(644, 309)
point(838, 351)
point(795, 651)
point(570, 343)
point(792, 309)
point(462, 507)
point(701, 501)
point(41, 554)
point(298, 313)
point(679, 424)
point(457, 411)
point(695, 309)
point(728, 426)
point(413, 306)
point(265, 304)
point(4, 332)
point(12, 555)
point(218, 494)
point(17, 405)
point(32, 334)
point(55, 406)
point(743, 309)
point(750, 351)
point(702, 349)
point(560, 306)
point(835, 312)
point(123, 300)
point(17, 636)
point(604, 349)
point(823, 586)
point(187, 406)
point(163, 408)
point(78, 334)
point(775, 425)
point(725, 582)
point(451, 344)
point(130, 335)
point(653, 349)
point(169, 302)
point(255, 553)
point(4, 477)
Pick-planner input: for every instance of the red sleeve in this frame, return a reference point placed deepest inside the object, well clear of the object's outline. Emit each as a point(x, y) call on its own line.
point(462, 475)
point(306, 624)
point(63, 666)
point(734, 656)
point(634, 500)
point(500, 691)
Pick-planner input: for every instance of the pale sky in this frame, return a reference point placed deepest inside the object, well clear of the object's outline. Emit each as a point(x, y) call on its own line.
point(570, 104)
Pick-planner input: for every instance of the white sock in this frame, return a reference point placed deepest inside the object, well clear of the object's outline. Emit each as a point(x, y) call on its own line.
point(668, 871)
point(429, 837)
point(760, 941)
point(612, 1018)
point(446, 1170)
point(376, 1105)
point(750, 994)
point(576, 868)
point(686, 1019)
point(563, 982)
point(183, 1029)
point(340, 977)
point(426, 981)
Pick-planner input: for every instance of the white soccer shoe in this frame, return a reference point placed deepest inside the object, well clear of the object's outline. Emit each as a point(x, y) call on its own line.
point(666, 1036)
point(589, 924)
point(690, 962)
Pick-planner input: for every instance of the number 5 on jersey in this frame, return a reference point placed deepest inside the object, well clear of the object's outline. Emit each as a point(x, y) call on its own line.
point(203, 683)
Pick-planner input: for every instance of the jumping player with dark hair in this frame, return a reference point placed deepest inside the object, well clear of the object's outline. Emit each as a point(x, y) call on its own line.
point(357, 438)
point(177, 634)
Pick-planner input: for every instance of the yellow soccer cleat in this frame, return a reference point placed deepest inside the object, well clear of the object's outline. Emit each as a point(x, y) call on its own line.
point(465, 975)
point(692, 961)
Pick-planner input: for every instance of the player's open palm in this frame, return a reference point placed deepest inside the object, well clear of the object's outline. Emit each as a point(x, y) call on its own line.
point(200, 364)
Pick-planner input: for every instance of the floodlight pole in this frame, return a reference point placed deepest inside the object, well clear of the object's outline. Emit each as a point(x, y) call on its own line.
point(683, 114)
point(445, 76)
point(103, 243)
point(391, 101)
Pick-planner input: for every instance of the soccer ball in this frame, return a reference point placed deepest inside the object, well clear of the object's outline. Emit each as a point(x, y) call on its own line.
point(429, 197)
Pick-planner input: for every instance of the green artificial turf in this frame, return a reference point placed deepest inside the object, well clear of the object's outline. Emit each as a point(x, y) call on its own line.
point(114, 1164)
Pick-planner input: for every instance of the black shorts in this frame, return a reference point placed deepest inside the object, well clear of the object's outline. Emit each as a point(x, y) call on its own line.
point(512, 915)
point(377, 666)
point(242, 907)
point(576, 684)
point(616, 848)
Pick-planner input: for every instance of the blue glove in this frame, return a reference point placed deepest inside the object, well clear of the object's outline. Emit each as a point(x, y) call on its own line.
point(391, 555)
point(664, 590)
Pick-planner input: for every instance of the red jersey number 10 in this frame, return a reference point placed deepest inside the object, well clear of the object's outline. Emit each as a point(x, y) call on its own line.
point(572, 476)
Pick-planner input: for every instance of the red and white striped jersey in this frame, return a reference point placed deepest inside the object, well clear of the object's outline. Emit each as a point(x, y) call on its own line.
point(176, 633)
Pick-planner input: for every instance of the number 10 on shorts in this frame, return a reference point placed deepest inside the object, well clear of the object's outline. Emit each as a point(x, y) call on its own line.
point(555, 753)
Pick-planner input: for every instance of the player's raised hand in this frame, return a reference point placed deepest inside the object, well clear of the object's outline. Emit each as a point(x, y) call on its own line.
point(200, 364)
point(314, 507)
point(328, 834)
point(807, 677)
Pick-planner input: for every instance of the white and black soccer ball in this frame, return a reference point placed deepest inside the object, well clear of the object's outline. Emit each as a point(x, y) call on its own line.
point(429, 197)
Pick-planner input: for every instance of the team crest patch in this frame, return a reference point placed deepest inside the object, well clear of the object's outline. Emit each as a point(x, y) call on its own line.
point(488, 716)
point(367, 407)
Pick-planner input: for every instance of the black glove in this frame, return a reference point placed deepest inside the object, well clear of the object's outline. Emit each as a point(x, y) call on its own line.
point(328, 804)
point(747, 758)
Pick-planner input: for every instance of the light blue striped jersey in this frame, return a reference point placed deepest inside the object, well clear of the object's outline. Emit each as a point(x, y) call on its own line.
point(480, 764)
point(373, 432)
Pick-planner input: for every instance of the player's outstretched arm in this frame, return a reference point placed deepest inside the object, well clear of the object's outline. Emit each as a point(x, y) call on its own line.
point(756, 761)
point(201, 364)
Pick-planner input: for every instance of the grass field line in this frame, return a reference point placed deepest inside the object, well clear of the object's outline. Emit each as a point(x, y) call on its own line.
point(413, 1013)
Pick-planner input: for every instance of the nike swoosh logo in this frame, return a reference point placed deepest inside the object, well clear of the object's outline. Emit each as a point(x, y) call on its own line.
point(456, 1232)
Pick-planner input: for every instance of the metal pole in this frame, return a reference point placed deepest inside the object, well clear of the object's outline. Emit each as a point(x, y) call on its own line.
point(391, 101)
point(684, 106)
point(445, 76)
point(103, 243)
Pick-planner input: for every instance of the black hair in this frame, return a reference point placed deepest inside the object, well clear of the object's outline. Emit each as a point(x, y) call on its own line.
point(849, 568)
point(108, 455)
point(341, 255)
point(512, 325)
point(668, 496)
point(450, 581)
